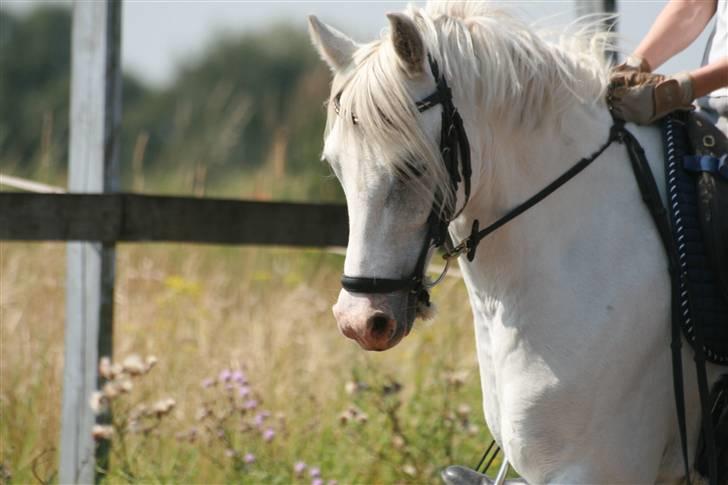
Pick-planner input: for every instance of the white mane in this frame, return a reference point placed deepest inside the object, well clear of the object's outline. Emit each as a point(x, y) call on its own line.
point(491, 61)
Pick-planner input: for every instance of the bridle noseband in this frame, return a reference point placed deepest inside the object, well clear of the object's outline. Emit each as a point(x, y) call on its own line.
point(455, 151)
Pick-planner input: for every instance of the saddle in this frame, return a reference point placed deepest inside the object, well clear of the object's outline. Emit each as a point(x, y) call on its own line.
point(710, 162)
point(696, 167)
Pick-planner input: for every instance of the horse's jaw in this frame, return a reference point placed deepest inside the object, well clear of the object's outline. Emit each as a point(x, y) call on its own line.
point(376, 322)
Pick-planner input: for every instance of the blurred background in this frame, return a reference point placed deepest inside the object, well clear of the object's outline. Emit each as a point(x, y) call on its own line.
point(225, 99)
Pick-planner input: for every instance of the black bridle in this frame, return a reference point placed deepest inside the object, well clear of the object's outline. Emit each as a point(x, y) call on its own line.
point(455, 151)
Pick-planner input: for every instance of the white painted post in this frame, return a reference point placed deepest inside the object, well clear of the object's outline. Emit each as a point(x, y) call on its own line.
point(93, 159)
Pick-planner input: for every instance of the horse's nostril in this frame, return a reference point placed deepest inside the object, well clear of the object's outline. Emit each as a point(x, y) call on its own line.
point(380, 326)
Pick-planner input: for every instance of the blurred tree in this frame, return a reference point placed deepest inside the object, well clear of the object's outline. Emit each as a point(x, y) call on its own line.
point(247, 100)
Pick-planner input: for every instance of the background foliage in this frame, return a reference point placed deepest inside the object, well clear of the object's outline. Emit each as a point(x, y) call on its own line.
point(250, 106)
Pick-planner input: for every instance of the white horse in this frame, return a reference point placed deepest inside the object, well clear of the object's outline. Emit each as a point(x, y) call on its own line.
point(571, 300)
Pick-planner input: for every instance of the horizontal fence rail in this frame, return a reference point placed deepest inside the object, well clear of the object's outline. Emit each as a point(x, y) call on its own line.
point(150, 218)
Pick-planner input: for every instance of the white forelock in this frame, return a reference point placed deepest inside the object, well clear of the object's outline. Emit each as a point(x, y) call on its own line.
point(512, 74)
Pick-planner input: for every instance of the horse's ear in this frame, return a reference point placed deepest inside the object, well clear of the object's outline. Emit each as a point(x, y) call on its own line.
point(333, 46)
point(407, 42)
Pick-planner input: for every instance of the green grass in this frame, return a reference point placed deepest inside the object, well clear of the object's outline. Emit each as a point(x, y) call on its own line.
point(201, 309)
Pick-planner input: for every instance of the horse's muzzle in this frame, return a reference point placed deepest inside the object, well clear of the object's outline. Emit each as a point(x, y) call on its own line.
point(375, 321)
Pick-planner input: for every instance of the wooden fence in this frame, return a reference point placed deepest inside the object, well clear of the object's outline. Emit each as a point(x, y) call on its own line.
point(122, 217)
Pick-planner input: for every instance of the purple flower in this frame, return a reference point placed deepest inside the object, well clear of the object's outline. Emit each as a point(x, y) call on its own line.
point(250, 404)
point(249, 458)
point(260, 419)
point(298, 468)
point(315, 472)
point(239, 377)
point(207, 383)
point(225, 375)
point(268, 434)
point(317, 481)
point(243, 391)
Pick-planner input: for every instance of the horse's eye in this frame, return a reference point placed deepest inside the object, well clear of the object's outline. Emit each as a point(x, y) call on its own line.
point(410, 168)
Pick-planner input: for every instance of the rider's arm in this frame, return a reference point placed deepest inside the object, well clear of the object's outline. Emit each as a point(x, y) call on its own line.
point(679, 23)
point(710, 77)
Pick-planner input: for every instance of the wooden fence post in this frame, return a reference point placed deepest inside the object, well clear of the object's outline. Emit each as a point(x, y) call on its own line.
point(93, 167)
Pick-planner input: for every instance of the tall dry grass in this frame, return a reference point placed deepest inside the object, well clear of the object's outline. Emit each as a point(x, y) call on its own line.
point(202, 309)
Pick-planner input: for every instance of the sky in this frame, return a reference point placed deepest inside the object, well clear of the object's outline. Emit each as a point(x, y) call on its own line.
point(157, 35)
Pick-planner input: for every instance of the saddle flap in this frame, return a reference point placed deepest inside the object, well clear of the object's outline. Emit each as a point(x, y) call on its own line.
point(711, 146)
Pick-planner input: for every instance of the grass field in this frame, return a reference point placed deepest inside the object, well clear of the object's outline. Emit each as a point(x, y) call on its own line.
point(297, 392)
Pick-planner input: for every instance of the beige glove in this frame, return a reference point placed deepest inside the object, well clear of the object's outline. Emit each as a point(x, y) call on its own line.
point(644, 98)
point(633, 63)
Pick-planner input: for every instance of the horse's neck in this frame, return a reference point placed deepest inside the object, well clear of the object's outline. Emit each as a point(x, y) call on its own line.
point(525, 164)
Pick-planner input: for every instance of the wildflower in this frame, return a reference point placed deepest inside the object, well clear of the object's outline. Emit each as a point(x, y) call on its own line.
point(225, 375)
point(202, 413)
point(141, 410)
point(98, 402)
point(239, 377)
point(125, 386)
point(298, 468)
point(344, 418)
point(392, 388)
point(463, 410)
point(110, 390)
point(229, 452)
point(398, 441)
point(105, 368)
point(269, 434)
point(315, 472)
point(456, 379)
point(207, 383)
point(164, 406)
point(259, 420)
point(317, 481)
point(409, 470)
point(243, 391)
point(332, 482)
point(134, 425)
point(115, 370)
point(250, 404)
point(102, 432)
point(351, 387)
point(151, 361)
point(133, 365)
point(249, 458)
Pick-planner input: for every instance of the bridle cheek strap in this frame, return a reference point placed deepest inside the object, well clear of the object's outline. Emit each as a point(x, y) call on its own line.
point(455, 151)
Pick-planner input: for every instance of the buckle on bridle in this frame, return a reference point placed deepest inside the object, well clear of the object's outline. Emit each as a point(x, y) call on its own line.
point(455, 252)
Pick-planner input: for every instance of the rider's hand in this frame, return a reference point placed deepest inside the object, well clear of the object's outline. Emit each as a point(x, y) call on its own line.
point(632, 63)
point(644, 98)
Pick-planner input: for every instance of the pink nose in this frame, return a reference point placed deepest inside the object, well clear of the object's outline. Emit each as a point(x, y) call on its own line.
point(366, 320)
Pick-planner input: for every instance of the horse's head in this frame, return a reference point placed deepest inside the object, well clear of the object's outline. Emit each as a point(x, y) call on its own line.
point(382, 142)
